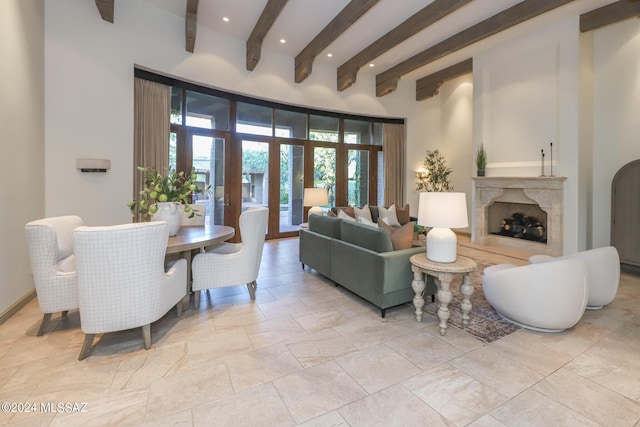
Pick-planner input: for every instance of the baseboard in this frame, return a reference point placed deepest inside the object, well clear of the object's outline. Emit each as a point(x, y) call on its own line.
point(630, 269)
point(17, 306)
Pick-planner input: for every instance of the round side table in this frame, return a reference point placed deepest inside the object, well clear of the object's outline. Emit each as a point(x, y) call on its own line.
point(443, 274)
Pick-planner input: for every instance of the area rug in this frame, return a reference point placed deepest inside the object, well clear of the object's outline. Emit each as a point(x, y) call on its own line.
point(485, 323)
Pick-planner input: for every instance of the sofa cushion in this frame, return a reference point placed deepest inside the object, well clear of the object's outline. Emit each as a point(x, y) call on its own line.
point(403, 214)
point(374, 239)
point(363, 212)
point(374, 213)
point(401, 238)
point(388, 215)
point(346, 209)
point(343, 215)
point(325, 225)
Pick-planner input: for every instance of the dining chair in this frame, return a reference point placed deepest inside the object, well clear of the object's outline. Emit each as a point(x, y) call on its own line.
point(50, 245)
point(233, 264)
point(122, 283)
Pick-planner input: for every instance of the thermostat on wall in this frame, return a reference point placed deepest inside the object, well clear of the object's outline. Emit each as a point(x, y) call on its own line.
point(93, 165)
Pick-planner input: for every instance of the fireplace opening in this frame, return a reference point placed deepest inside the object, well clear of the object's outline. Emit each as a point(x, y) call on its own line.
point(518, 220)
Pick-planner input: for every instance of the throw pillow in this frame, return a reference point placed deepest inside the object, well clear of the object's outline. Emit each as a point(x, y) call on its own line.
point(403, 214)
point(343, 215)
point(363, 212)
point(331, 214)
point(388, 215)
point(346, 209)
point(401, 238)
point(365, 221)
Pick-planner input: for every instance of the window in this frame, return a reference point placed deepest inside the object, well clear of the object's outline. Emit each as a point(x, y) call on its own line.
point(324, 128)
point(253, 152)
point(291, 124)
point(254, 119)
point(206, 111)
point(357, 132)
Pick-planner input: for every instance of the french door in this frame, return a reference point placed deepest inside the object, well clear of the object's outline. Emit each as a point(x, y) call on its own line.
point(208, 153)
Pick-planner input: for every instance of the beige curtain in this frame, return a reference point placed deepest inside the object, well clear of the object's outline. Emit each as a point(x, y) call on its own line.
point(152, 109)
point(394, 164)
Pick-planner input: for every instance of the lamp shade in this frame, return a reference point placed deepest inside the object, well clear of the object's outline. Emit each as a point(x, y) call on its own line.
point(442, 210)
point(316, 197)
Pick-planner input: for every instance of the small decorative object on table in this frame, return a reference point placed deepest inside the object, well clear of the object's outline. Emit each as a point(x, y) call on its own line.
point(162, 196)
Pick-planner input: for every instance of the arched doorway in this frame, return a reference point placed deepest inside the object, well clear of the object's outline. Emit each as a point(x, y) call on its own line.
point(625, 213)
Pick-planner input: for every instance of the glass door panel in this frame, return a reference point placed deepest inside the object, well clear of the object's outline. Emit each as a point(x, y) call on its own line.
point(291, 187)
point(255, 174)
point(358, 177)
point(324, 171)
point(208, 161)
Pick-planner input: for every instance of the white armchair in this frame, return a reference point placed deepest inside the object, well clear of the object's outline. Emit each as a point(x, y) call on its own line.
point(545, 297)
point(229, 264)
point(122, 283)
point(50, 244)
point(603, 267)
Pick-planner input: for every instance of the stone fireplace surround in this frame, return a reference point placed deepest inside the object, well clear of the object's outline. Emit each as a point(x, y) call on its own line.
point(545, 192)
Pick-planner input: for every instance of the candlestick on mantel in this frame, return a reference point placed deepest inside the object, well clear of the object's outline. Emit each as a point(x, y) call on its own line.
point(542, 154)
point(551, 162)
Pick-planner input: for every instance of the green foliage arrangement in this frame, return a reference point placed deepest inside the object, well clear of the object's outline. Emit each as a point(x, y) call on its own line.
point(437, 176)
point(158, 188)
point(481, 158)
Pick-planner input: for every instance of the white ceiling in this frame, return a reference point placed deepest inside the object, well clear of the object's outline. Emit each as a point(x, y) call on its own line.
point(302, 20)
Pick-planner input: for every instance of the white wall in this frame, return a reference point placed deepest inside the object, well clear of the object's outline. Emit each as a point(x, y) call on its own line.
point(445, 124)
point(525, 97)
point(616, 123)
point(22, 115)
point(89, 93)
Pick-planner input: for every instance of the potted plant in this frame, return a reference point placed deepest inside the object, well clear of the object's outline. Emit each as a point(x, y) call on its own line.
point(481, 160)
point(436, 177)
point(165, 197)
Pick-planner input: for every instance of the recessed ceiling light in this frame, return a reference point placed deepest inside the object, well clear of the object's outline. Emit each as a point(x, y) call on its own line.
point(329, 55)
point(283, 41)
point(371, 65)
point(225, 19)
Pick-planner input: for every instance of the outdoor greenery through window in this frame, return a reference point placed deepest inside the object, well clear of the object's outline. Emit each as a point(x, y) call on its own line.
point(256, 153)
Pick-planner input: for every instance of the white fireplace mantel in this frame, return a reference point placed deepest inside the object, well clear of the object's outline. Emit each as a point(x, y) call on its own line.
point(546, 192)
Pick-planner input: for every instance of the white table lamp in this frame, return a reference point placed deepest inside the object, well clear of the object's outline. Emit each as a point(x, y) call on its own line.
point(442, 211)
point(315, 197)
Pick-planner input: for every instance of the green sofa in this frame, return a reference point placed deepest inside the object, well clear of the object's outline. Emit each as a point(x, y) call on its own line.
point(361, 259)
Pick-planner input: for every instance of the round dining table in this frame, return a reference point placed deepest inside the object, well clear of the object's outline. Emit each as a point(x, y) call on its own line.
point(193, 237)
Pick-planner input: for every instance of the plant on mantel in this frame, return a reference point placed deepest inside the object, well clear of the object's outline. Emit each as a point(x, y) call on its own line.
point(481, 160)
point(172, 187)
point(436, 175)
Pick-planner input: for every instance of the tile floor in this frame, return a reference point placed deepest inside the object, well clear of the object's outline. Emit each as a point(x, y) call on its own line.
point(309, 353)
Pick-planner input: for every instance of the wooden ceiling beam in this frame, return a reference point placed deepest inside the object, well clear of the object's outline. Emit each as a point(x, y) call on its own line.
point(105, 7)
point(254, 44)
point(338, 25)
point(609, 14)
point(422, 19)
point(191, 24)
point(387, 81)
point(428, 86)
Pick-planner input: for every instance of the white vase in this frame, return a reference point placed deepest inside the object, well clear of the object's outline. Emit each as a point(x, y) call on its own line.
point(170, 212)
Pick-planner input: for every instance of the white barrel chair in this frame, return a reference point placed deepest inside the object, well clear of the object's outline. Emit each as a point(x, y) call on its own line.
point(603, 266)
point(233, 264)
point(545, 297)
point(122, 283)
point(50, 243)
